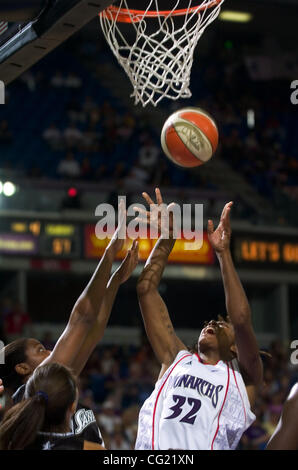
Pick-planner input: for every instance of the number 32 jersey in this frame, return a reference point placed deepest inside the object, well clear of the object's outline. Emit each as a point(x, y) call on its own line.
point(195, 406)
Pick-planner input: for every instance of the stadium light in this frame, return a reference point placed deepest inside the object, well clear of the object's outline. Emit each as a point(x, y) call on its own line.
point(1, 187)
point(9, 189)
point(236, 16)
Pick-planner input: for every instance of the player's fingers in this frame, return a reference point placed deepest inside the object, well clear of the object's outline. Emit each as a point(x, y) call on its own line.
point(210, 227)
point(226, 219)
point(142, 212)
point(227, 206)
point(136, 253)
point(128, 255)
point(171, 206)
point(223, 214)
point(142, 220)
point(147, 198)
point(158, 196)
point(121, 212)
point(134, 246)
point(121, 205)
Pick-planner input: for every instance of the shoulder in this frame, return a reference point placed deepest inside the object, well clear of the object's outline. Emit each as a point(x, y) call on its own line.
point(182, 354)
point(167, 368)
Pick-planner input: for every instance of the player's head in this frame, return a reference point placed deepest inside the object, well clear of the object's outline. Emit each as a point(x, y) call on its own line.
point(21, 357)
point(49, 403)
point(218, 335)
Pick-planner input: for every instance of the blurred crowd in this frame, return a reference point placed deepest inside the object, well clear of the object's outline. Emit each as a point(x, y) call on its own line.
point(257, 123)
point(14, 321)
point(118, 379)
point(102, 140)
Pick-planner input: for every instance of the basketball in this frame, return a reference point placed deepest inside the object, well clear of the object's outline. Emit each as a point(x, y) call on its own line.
point(189, 137)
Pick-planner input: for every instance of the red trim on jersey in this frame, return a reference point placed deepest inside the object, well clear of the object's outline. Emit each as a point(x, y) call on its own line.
point(227, 388)
point(205, 363)
point(155, 406)
point(239, 392)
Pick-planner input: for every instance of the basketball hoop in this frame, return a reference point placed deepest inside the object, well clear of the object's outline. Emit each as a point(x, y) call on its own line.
point(159, 57)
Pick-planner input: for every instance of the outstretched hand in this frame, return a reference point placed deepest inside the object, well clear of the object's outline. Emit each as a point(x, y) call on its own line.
point(117, 241)
point(129, 263)
point(160, 216)
point(220, 238)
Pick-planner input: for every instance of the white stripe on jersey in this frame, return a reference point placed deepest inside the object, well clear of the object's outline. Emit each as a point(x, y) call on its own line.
point(195, 406)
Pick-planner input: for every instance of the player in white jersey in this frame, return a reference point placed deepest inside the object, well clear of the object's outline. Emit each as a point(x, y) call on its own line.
point(202, 400)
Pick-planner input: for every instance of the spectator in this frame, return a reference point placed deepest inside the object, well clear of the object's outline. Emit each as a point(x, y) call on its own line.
point(107, 418)
point(256, 437)
point(89, 104)
point(130, 417)
point(57, 81)
point(126, 128)
point(273, 418)
point(86, 169)
point(29, 79)
point(137, 177)
point(90, 138)
point(73, 136)
point(15, 322)
point(5, 133)
point(69, 167)
point(75, 111)
point(148, 155)
point(118, 442)
point(73, 81)
point(53, 137)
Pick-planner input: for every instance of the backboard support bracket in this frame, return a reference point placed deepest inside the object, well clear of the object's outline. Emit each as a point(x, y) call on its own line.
point(32, 41)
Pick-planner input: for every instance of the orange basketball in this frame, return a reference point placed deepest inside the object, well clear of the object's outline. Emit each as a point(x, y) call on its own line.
point(189, 137)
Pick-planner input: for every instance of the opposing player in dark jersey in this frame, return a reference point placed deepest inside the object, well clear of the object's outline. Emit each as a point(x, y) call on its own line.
point(202, 400)
point(83, 332)
point(285, 437)
point(42, 420)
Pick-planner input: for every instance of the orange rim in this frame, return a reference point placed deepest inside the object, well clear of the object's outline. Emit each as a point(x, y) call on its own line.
point(122, 15)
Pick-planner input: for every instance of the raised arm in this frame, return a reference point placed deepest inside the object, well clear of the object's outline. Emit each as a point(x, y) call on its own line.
point(85, 311)
point(95, 335)
point(285, 437)
point(236, 301)
point(158, 325)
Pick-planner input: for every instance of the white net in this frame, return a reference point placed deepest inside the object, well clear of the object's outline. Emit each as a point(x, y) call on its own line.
point(157, 52)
